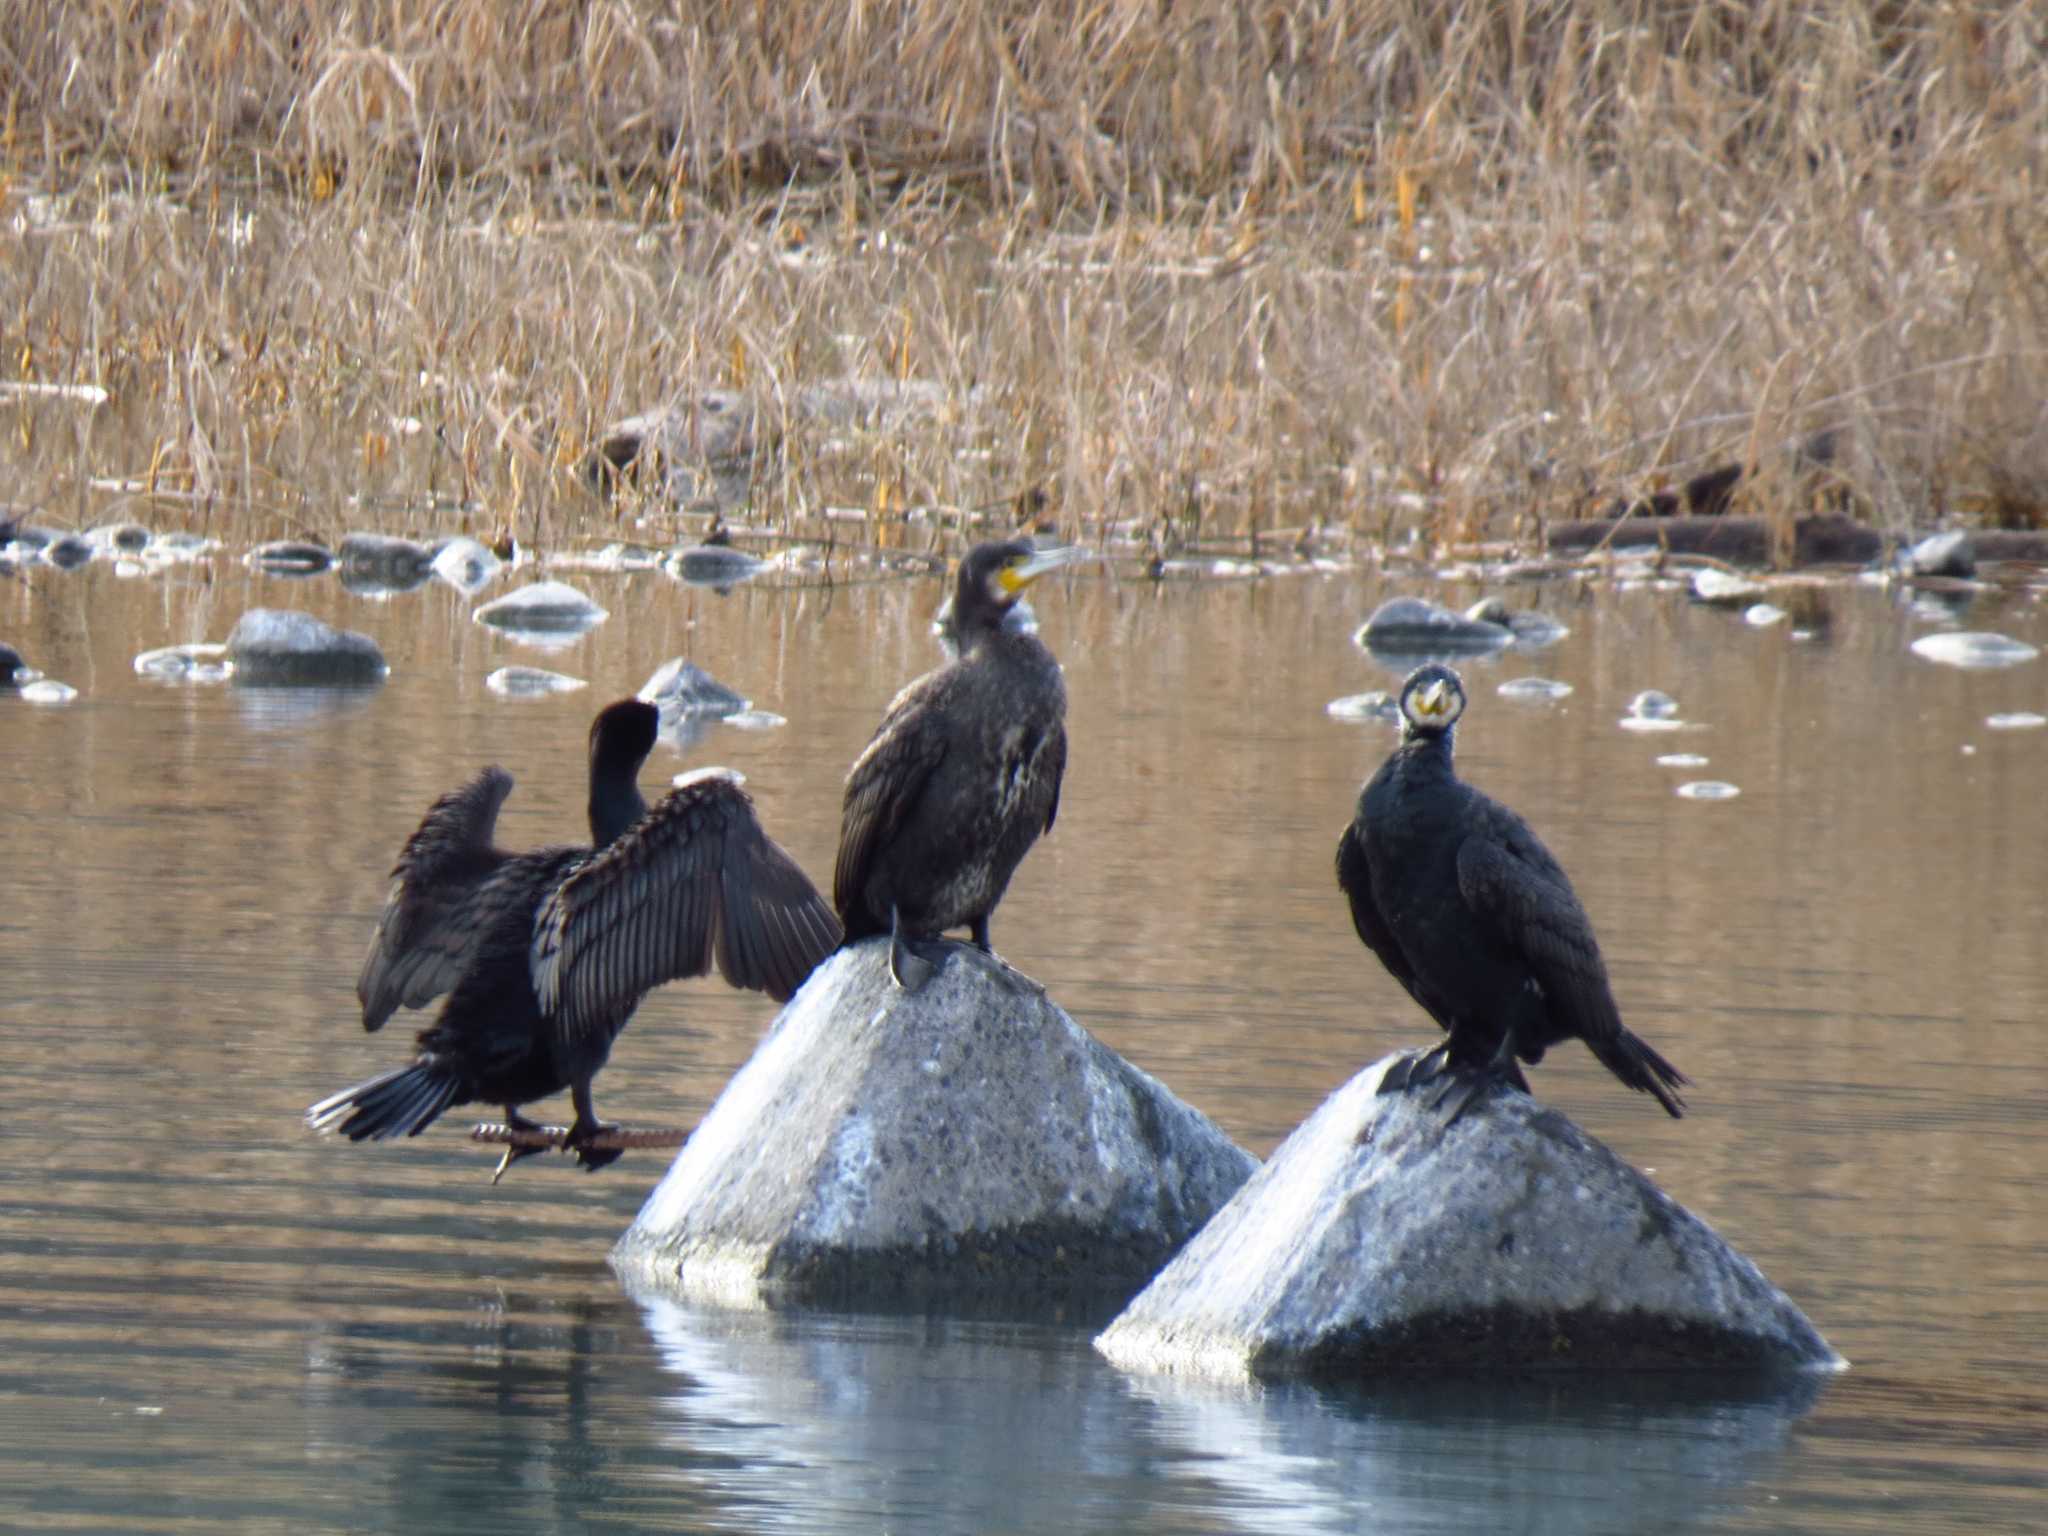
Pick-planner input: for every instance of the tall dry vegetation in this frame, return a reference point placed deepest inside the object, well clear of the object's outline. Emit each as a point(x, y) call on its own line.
point(1200, 267)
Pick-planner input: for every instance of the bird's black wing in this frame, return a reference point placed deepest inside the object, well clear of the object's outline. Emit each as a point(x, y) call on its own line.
point(1519, 892)
point(1055, 770)
point(426, 935)
point(694, 883)
point(1510, 878)
point(1354, 878)
point(884, 784)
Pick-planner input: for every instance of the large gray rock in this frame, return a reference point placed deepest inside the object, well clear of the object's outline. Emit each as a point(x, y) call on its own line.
point(283, 647)
point(967, 1147)
point(1378, 1240)
point(1403, 627)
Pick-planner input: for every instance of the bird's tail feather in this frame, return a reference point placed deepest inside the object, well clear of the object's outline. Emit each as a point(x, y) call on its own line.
point(401, 1102)
point(1632, 1060)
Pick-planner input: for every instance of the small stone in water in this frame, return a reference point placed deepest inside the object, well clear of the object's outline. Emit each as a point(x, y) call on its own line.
point(1377, 705)
point(2018, 720)
point(1724, 588)
point(1681, 760)
point(1651, 704)
point(1542, 690)
point(47, 690)
point(67, 552)
point(124, 538)
point(680, 687)
point(1973, 648)
point(200, 663)
point(1761, 615)
point(290, 557)
point(466, 565)
point(1707, 789)
point(551, 606)
point(179, 548)
point(531, 682)
point(1650, 723)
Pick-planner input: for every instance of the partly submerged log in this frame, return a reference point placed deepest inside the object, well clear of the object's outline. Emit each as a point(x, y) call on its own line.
point(1380, 1241)
point(1819, 540)
point(963, 1148)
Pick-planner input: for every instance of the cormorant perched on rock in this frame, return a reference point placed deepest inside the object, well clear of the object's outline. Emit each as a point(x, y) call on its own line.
point(962, 775)
point(1472, 915)
point(544, 955)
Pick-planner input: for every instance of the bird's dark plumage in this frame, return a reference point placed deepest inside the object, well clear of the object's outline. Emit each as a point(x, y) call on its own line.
point(1470, 913)
point(962, 775)
point(544, 955)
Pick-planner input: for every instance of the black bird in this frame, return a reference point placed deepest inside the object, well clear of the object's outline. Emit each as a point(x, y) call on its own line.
point(1472, 915)
point(544, 955)
point(962, 775)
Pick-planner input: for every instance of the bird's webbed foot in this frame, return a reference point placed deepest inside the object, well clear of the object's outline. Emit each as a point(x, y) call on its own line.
point(913, 961)
point(515, 1121)
point(581, 1134)
point(1470, 1083)
point(1414, 1069)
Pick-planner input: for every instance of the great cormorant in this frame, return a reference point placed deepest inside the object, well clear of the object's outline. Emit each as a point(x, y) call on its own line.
point(544, 955)
point(962, 775)
point(1469, 911)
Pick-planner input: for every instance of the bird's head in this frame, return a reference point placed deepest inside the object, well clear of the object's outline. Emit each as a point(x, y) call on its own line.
point(1431, 701)
point(993, 577)
point(623, 734)
point(999, 573)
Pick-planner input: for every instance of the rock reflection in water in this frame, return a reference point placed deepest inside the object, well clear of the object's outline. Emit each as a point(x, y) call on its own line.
point(869, 1423)
point(1621, 1453)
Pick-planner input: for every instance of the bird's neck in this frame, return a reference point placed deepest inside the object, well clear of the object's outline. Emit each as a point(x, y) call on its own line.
point(1427, 755)
point(615, 803)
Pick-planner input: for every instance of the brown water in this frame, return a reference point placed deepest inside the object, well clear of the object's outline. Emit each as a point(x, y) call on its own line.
point(213, 1320)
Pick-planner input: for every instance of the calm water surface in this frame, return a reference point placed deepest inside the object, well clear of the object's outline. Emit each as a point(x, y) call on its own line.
point(212, 1320)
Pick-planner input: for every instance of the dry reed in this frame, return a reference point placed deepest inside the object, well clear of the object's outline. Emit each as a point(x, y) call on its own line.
point(1362, 268)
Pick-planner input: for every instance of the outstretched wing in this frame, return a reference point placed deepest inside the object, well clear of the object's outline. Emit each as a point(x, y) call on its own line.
point(695, 882)
point(1354, 878)
point(882, 788)
point(1514, 887)
point(425, 936)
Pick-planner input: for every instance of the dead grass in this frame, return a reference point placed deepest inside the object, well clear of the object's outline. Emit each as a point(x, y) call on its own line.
point(1367, 269)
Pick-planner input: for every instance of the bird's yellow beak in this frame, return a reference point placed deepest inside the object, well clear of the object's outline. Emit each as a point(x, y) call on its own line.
point(1020, 573)
point(1433, 699)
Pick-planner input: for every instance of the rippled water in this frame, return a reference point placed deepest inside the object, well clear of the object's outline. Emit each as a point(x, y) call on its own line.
point(212, 1320)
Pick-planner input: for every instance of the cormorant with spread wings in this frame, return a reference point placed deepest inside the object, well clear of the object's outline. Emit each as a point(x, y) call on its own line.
point(544, 955)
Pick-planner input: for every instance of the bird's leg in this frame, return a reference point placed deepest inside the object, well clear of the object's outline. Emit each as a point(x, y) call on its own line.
point(910, 969)
point(978, 927)
point(517, 1122)
point(587, 1126)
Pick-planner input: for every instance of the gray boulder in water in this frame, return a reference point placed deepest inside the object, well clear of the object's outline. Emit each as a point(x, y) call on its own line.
point(1416, 627)
point(281, 647)
point(965, 1148)
point(1379, 1240)
point(680, 687)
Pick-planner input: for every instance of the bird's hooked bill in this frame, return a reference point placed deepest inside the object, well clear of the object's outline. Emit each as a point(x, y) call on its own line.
point(1433, 698)
point(1020, 574)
